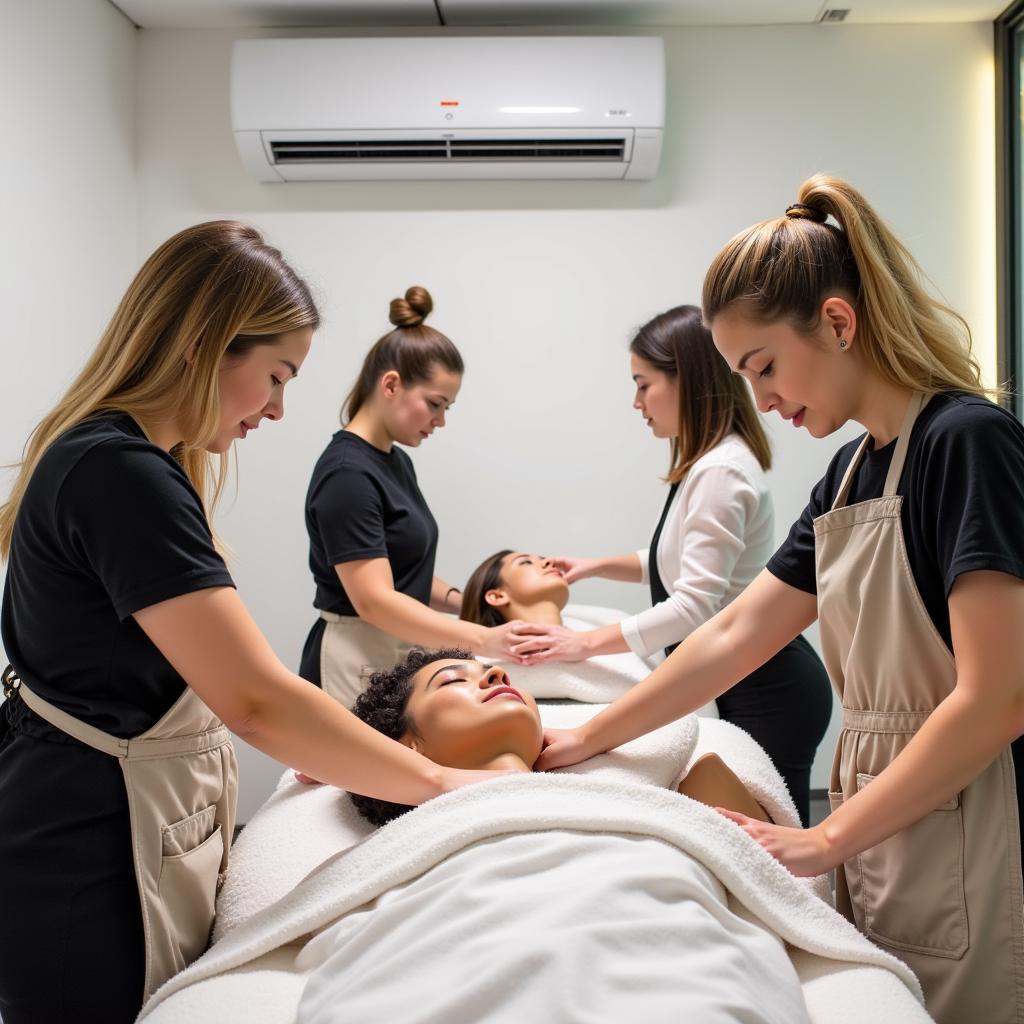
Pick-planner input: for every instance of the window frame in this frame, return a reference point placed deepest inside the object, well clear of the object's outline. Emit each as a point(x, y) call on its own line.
point(1009, 205)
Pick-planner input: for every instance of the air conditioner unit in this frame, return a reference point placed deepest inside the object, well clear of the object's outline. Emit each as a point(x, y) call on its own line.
point(465, 107)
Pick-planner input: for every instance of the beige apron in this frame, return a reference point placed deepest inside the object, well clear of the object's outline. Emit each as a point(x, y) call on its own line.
point(351, 650)
point(944, 894)
point(182, 780)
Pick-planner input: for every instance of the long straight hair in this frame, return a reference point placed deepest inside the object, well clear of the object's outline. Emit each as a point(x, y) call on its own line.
point(713, 401)
point(212, 291)
point(784, 269)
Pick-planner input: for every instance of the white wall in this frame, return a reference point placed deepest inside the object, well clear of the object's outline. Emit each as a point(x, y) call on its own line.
point(67, 195)
point(540, 284)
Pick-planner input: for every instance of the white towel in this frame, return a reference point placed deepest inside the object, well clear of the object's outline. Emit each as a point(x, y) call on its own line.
point(533, 803)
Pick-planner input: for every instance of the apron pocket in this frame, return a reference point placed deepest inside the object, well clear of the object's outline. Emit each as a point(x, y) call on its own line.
point(192, 852)
point(910, 888)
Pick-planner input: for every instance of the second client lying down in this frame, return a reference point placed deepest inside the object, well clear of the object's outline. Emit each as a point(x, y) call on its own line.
point(519, 585)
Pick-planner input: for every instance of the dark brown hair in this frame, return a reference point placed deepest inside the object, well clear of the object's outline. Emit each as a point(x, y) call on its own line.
point(412, 349)
point(713, 401)
point(384, 704)
point(486, 576)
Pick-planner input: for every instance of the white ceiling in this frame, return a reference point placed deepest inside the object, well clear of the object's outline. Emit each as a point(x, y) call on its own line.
point(610, 13)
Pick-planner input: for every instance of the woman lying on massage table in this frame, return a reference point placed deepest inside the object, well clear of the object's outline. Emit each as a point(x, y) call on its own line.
point(519, 585)
point(464, 713)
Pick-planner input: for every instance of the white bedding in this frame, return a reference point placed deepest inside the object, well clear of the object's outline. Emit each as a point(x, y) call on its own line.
point(552, 926)
point(496, 867)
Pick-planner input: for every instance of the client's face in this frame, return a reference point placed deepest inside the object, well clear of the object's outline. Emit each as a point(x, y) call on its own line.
point(466, 714)
point(528, 580)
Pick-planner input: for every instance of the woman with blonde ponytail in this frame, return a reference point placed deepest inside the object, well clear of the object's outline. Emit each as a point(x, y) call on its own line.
point(911, 556)
point(132, 655)
point(372, 536)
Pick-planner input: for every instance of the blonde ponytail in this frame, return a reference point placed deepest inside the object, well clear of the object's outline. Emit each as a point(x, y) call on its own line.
point(784, 269)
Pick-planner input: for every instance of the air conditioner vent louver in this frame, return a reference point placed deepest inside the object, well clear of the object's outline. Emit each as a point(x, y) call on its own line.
point(477, 108)
point(447, 150)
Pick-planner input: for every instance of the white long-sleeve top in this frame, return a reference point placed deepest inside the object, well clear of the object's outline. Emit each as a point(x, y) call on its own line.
point(718, 535)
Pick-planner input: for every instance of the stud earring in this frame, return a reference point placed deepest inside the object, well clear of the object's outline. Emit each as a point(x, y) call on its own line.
point(842, 343)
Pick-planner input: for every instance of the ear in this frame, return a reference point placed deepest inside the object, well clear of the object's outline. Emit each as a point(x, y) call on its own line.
point(412, 741)
point(390, 382)
point(840, 320)
point(190, 353)
point(496, 598)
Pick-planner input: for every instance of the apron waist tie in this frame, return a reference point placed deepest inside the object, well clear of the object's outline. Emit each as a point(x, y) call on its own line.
point(137, 749)
point(335, 617)
point(897, 722)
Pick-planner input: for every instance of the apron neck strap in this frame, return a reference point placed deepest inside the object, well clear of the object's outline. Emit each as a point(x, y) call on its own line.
point(851, 469)
point(918, 400)
point(899, 456)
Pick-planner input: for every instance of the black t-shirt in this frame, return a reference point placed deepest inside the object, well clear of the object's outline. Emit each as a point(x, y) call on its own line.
point(963, 506)
point(109, 525)
point(963, 500)
point(364, 503)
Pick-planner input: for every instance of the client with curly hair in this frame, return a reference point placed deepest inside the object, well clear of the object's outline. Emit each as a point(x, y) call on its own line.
point(463, 713)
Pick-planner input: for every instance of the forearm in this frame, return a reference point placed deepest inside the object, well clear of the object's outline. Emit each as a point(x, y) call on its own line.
point(956, 743)
point(624, 568)
point(716, 656)
point(606, 640)
point(299, 725)
point(706, 665)
point(444, 597)
point(410, 620)
point(213, 643)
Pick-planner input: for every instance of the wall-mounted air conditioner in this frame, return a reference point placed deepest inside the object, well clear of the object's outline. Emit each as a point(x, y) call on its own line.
point(465, 107)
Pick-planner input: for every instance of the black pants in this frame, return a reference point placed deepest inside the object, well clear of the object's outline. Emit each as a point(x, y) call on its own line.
point(786, 706)
point(71, 940)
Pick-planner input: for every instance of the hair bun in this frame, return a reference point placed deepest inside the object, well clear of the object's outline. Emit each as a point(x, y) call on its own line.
point(803, 211)
point(413, 309)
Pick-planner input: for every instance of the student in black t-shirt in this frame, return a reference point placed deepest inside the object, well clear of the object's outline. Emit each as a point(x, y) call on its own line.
point(129, 644)
point(911, 556)
point(372, 539)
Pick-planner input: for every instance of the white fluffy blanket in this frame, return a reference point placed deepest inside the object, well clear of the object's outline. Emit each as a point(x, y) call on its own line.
point(526, 814)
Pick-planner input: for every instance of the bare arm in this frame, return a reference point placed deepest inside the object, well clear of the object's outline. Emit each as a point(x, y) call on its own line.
point(959, 739)
point(213, 643)
point(444, 597)
point(371, 589)
point(716, 656)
